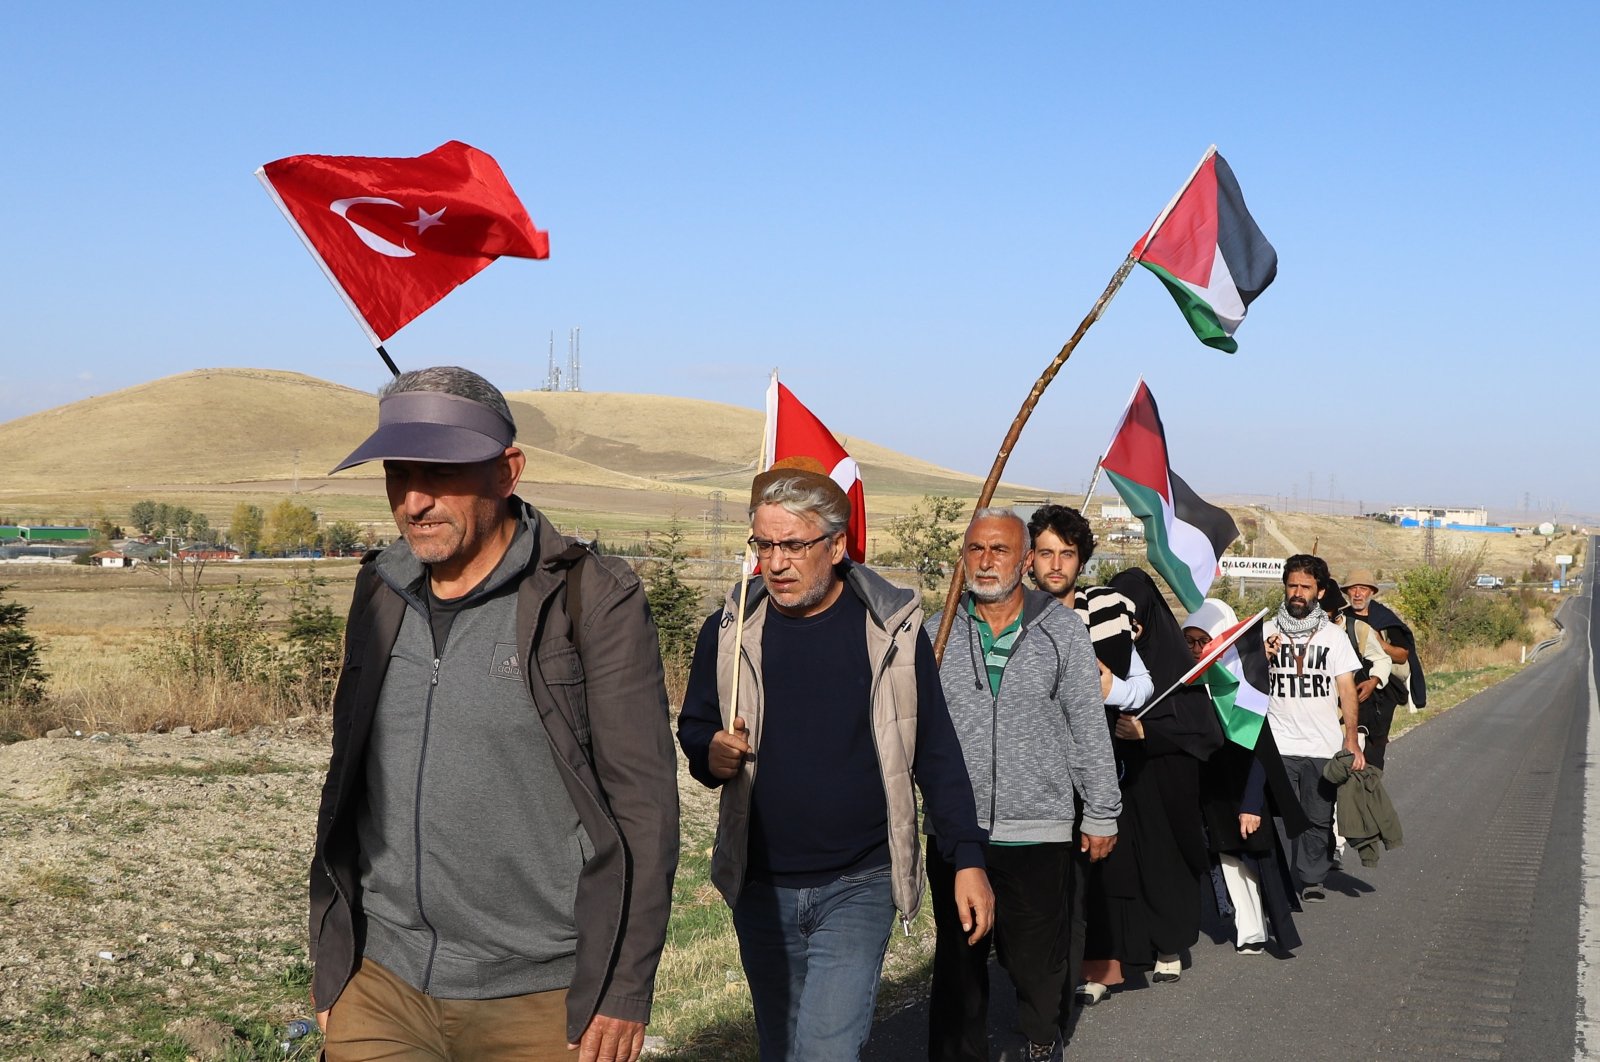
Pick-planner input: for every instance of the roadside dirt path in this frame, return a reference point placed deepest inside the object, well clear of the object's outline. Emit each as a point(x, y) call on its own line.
point(152, 893)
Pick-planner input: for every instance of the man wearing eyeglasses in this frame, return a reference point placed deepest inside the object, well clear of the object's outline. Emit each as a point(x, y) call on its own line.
point(838, 710)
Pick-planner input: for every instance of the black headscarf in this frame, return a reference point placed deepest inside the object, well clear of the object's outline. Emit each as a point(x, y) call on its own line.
point(1192, 723)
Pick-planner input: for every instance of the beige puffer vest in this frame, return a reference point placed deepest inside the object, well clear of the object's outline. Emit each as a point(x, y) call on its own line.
point(894, 616)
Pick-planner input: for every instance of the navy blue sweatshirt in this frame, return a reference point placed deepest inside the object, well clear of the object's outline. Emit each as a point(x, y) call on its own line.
point(818, 809)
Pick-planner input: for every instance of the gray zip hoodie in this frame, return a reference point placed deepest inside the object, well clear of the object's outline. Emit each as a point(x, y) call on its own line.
point(470, 846)
point(1043, 737)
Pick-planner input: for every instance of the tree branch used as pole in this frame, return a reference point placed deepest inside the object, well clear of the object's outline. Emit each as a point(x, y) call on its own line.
point(1006, 445)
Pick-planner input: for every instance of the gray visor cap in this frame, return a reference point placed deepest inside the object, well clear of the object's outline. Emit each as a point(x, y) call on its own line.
point(433, 426)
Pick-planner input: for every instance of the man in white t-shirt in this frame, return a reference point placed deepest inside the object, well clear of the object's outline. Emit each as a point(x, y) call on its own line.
point(1312, 706)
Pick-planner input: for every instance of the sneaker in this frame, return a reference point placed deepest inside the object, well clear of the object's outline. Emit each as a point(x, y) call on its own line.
point(1167, 970)
point(1254, 948)
point(1091, 992)
point(1050, 1052)
point(1313, 894)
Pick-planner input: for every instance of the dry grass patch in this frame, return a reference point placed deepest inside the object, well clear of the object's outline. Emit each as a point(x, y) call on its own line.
point(152, 883)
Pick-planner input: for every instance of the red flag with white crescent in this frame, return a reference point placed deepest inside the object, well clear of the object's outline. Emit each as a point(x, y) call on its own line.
point(396, 235)
point(794, 431)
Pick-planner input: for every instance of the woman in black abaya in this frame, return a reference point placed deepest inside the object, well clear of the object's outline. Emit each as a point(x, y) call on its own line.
point(1144, 899)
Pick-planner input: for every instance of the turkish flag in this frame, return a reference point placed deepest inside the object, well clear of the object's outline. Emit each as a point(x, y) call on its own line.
point(794, 431)
point(397, 235)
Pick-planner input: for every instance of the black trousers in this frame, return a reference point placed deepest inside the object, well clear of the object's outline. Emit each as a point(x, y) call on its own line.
point(1032, 889)
point(1376, 716)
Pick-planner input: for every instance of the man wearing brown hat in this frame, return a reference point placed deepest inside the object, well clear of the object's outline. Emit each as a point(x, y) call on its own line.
point(1406, 681)
point(839, 709)
point(499, 827)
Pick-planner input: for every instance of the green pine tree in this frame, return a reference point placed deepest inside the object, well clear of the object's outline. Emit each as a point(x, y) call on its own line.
point(21, 676)
point(674, 603)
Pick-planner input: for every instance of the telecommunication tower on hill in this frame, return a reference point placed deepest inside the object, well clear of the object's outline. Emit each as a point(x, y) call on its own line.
point(552, 372)
point(574, 364)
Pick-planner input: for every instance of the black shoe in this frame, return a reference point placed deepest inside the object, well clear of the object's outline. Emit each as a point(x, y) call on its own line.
point(1255, 948)
point(1313, 894)
point(1050, 1052)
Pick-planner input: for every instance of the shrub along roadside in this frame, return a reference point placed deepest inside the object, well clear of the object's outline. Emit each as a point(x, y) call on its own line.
point(221, 658)
point(22, 677)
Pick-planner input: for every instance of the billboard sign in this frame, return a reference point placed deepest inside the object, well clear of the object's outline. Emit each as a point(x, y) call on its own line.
point(1254, 567)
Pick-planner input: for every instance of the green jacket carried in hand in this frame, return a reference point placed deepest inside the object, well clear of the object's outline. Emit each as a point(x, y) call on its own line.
point(1366, 815)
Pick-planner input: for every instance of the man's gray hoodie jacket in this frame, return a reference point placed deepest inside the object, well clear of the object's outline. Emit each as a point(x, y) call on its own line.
point(1043, 737)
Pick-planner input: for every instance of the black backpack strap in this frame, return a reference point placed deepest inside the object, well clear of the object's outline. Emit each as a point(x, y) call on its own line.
point(571, 561)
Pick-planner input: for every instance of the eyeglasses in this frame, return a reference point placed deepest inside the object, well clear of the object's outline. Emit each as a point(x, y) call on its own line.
point(790, 547)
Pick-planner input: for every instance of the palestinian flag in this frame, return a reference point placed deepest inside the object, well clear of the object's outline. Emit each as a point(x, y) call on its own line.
point(1234, 671)
point(794, 431)
point(1184, 535)
point(1209, 253)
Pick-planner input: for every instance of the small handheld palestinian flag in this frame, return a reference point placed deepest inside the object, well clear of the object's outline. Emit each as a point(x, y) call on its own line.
point(1209, 253)
point(1185, 536)
point(1240, 704)
point(1234, 670)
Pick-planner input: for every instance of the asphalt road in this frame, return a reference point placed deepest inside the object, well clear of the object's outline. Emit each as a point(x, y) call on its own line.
point(1462, 943)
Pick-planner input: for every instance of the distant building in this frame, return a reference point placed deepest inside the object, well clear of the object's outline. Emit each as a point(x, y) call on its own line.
point(112, 558)
point(40, 535)
point(1414, 516)
point(205, 551)
point(1115, 512)
point(1445, 519)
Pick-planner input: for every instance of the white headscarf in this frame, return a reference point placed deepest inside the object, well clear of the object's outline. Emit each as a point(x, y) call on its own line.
point(1213, 616)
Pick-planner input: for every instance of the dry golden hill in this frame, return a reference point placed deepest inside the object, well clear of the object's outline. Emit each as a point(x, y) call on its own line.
point(695, 442)
point(212, 427)
point(250, 430)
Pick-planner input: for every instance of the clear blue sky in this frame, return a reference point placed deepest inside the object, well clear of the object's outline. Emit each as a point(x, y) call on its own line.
point(907, 208)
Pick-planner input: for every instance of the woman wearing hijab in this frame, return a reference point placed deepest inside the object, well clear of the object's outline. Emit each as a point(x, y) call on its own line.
point(1241, 790)
point(1144, 901)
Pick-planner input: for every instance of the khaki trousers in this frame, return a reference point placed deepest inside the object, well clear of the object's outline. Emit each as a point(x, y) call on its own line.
point(379, 1016)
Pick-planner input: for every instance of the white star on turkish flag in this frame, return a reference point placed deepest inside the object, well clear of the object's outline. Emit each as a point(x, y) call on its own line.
point(426, 221)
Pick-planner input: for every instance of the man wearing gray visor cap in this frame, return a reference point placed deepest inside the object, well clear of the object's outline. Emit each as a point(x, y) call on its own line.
point(498, 830)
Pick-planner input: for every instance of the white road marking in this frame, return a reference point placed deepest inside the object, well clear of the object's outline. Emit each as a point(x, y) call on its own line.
point(1586, 1042)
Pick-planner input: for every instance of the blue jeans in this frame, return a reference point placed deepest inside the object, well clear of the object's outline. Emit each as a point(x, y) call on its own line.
point(813, 957)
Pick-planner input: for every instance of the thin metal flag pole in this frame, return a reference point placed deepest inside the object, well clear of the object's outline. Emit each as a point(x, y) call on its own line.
point(1099, 462)
point(1094, 481)
point(384, 354)
point(744, 568)
point(1006, 445)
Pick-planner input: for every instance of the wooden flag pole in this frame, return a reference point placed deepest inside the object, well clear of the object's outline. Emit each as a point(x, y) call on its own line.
point(738, 635)
point(1004, 453)
point(744, 571)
